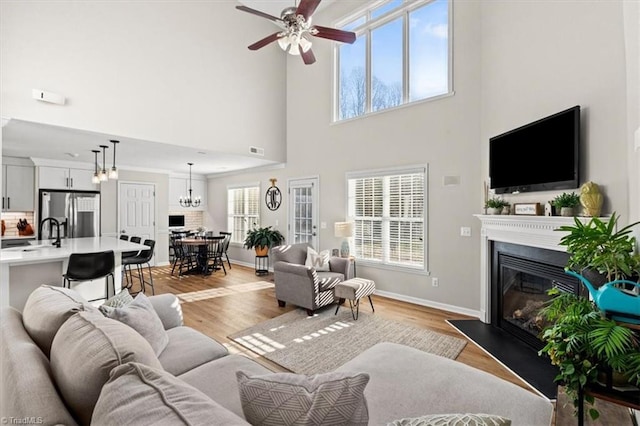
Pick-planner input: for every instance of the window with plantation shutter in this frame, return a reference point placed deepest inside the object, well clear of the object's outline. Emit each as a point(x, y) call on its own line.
point(388, 208)
point(243, 210)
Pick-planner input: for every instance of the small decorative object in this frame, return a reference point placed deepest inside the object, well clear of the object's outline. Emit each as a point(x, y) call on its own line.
point(24, 228)
point(4, 227)
point(495, 205)
point(591, 199)
point(273, 197)
point(548, 209)
point(335, 252)
point(529, 209)
point(262, 239)
point(345, 230)
point(506, 210)
point(566, 203)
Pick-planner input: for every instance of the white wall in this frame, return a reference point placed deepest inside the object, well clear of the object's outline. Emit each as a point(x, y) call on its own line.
point(514, 62)
point(177, 72)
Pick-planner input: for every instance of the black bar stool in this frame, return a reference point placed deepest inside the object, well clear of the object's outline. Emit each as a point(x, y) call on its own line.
point(91, 266)
point(139, 260)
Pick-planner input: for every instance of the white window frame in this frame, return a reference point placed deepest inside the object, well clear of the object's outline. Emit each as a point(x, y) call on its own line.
point(239, 239)
point(384, 263)
point(367, 28)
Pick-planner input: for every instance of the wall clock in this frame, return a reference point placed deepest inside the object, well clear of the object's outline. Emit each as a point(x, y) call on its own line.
point(273, 196)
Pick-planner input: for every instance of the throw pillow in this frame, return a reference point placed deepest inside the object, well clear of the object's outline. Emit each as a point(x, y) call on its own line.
point(137, 394)
point(141, 316)
point(282, 399)
point(119, 300)
point(319, 261)
point(83, 353)
point(465, 419)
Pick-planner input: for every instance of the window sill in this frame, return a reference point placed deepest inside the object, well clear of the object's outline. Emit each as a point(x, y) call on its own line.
point(408, 270)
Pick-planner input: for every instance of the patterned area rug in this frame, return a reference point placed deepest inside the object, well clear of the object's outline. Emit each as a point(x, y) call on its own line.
point(319, 344)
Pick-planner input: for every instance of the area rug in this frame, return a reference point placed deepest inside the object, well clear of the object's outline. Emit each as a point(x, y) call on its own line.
point(319, 344)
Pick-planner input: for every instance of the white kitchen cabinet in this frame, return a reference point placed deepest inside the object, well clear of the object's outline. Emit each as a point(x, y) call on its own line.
point(65, 178)
point(18, 188)
point(179, 187)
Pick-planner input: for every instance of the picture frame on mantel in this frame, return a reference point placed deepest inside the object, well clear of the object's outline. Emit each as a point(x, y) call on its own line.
point(527, 209)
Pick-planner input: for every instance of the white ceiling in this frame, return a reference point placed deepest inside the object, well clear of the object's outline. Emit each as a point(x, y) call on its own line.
point(37, 140)
point(275, 7)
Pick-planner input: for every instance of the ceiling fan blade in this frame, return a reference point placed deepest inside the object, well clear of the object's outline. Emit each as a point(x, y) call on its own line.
point(262, 43)
point(334, 34)
point(307, 7)
point(308, 57)
point(257, 12)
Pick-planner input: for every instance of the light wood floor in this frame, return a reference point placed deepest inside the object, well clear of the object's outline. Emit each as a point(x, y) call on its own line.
point(225, 304)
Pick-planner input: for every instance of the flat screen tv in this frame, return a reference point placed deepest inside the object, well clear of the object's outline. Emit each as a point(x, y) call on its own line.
point(176, 221)
point(539, 156)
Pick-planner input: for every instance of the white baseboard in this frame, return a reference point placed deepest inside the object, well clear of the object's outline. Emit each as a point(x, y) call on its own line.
point(247, 264)
point(429, 303)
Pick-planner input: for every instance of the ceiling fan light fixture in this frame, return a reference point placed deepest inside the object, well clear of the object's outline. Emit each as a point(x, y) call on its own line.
point(291, 42)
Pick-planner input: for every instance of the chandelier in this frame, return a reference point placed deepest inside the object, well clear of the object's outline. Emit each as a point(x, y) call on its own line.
point(189, 201)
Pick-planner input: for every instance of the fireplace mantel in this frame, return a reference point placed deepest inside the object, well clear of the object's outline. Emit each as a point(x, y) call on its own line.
point(534, 231)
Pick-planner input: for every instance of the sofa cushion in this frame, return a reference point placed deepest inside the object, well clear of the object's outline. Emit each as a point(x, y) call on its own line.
point(319, 261)
point(434, 384)
point(224, 389)
point(28, 389)
point(465, 419)
point(294, 399)
point(140, 315)
point(46, 309)
point(140, 395)
point(119, 300)
point(85, 349)
point(187, 349)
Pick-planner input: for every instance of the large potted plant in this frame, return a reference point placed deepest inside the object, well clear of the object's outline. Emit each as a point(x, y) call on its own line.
point(584, 345)
point(599, 252)
point(262, 239)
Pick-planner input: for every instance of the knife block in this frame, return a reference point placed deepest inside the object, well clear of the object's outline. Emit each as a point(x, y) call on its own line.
point(28, 230)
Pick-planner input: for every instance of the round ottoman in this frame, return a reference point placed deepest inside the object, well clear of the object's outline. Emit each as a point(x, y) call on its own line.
point(353, 290)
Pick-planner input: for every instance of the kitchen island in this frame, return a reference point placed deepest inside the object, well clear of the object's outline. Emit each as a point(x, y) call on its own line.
point(23, 269)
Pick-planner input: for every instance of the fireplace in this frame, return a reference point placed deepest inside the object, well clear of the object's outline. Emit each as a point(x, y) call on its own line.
point(520, 278)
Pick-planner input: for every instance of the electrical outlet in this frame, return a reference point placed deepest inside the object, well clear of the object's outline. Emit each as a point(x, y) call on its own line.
point(435, 282)
point(465, 231)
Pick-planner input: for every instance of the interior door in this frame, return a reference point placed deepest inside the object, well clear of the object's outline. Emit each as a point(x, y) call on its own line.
point(303, 211)
point(137, 210)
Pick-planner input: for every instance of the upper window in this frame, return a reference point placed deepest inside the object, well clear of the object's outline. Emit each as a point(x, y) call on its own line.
point(243, 210)
point(389, 211)
point(401, 55)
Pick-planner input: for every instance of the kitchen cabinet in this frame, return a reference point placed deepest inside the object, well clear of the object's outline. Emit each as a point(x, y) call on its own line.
point(66, 178)
point(18, 188)
point(179, 187)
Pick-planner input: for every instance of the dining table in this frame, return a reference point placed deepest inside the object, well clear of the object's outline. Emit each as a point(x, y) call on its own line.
point(201, 258)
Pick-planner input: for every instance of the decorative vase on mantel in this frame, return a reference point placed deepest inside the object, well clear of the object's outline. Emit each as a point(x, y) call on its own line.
point(566, 211)
point(494, 210)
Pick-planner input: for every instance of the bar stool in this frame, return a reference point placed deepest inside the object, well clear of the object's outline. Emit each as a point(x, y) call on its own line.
point(91, 266)
point(139, 260)
point(124, 237)
point(127, 278)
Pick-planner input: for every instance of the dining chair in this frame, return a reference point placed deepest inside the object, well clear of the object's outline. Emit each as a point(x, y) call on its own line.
point(215, 250)
point(227, 240)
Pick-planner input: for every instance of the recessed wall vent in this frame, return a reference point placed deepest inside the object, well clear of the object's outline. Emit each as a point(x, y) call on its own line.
point(256, 150)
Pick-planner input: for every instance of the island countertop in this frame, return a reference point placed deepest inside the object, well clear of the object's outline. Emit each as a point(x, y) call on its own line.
point(44, 251)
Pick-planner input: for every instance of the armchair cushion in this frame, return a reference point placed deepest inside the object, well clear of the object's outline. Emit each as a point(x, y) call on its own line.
point(319, 261)
point(290, 253)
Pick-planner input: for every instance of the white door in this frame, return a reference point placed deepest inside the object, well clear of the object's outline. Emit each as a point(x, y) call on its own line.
point(137, 210)
point(303, 211)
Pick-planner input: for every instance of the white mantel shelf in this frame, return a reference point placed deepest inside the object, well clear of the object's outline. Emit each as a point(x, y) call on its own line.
point(533, 231)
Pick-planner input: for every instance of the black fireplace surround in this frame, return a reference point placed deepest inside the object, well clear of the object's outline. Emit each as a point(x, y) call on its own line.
point(520, 278)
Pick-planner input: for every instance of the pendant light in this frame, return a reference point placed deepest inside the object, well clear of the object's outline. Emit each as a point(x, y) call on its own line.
point(96, 178)
point(189, 201)
point(113, 173)
point(103, 173)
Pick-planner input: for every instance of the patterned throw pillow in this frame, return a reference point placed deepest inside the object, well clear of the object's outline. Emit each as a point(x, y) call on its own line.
point(119, 300)
point(465, 419)
point(283, 399)
point(319, 261)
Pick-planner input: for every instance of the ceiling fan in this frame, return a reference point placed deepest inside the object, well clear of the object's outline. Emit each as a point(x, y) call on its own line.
point(296, 29)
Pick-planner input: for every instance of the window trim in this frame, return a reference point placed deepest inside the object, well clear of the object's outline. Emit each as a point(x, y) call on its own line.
point(409, 169)
point(369, 26)
point(243, 186)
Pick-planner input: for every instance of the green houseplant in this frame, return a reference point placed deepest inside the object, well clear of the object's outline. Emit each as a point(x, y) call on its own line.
point(582, 343)
point(262, 239)
point(494, 205)
point(566, 203)
point(597, 247)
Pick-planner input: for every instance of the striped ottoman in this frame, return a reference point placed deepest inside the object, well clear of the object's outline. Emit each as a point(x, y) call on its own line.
point(353, 290)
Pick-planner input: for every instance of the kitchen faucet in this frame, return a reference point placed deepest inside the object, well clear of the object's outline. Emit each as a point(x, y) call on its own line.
point(57, 224)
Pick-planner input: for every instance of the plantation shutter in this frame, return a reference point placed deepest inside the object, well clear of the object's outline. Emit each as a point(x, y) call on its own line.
point(243, 210)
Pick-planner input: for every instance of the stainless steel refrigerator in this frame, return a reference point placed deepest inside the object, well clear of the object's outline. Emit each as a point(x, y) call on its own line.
point(78, 213)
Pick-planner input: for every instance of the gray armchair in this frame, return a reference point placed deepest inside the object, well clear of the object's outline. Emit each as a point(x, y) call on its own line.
point(302, 285)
